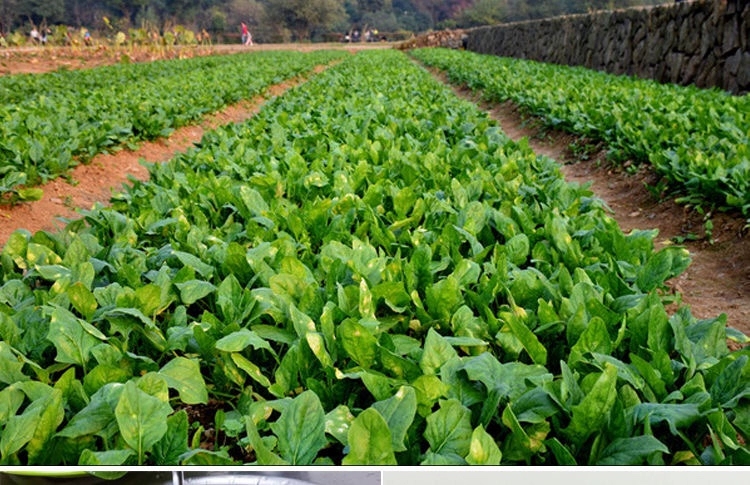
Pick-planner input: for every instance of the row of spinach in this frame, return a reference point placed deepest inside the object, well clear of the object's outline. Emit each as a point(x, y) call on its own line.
point(367, 272)
point(697, 139)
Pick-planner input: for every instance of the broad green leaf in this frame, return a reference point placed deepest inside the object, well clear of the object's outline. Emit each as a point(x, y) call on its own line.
point(592, 412)
point(184, 375)
point(399, 411)
point(34, 390)
point(465, 324)
point(366, 304)
point(236, 264)
point(51, 416)
point(358, 343)
point(253, 201)
point(229, 297)
point(252, 370)
point(447, 459)
point(730, 385)
point(393, 294)
point(534, 406)
point(10, 365)
point(724, 431)
point(651, 376)
point(193, 290)
point(105, 458)
point(10, 402)
point(741, 420)
point(437, 351)
point(370, 441)
point(71, 337)
point(302, 323)
point(301, 429)
point(661, 266)
point(16, 248)
point(595, 338)
point(174, 443)
point(207, 458)
point(677, 416)
point(9, 331)
point(512, 379)
point(151, 298)
point(154, 384)
point(624, 371)
point(522, 443)
point(449, 429)
point(131, 318)
point(82, 299)
point(466, 342)
point(400, 367)
point(338, 423)
point(39, 254)
point(483, 449)
point(274, 334)
point(630, 451)
point(34, 427)
point(264, 455)
point(305, 328)
point(98, 415)
point(518, 249)
point(528, 339)
point(104, 374)
point(142, 419)
point(429, 389)
point(192, 261)
point(30, 194)
point(443, 298)
point(563, 456)
point(53, 272)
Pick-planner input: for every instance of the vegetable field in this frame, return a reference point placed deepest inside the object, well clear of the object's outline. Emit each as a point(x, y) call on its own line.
point(53, 121)
point(698, 140)
point(367, 272)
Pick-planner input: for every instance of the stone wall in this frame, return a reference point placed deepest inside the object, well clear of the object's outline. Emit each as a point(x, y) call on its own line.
point(706, 43)
point(452, 39)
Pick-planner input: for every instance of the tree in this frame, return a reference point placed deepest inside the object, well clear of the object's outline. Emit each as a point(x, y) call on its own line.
point(439, 10)
point(483, 12)
point(49, 11)
point(8, 15)
point(305, 17)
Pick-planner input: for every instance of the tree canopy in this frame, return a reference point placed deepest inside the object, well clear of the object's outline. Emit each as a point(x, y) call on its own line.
point(286, 20)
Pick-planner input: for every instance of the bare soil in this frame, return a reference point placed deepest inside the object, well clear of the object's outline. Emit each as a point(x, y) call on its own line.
point(35, 60)
point(717, 281)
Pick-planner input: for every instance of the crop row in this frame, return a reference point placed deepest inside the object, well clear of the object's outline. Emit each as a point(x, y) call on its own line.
point(699, 140)
point(367, 272)
point(51, 122)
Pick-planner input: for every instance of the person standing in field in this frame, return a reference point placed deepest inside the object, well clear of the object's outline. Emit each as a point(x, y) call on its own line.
point(247, 39)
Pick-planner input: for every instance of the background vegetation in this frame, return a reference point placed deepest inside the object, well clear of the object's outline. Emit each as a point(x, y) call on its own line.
point(284, 20)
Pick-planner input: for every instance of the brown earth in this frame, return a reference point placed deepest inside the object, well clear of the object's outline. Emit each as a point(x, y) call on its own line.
point(34, 60)
point(717, 281)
